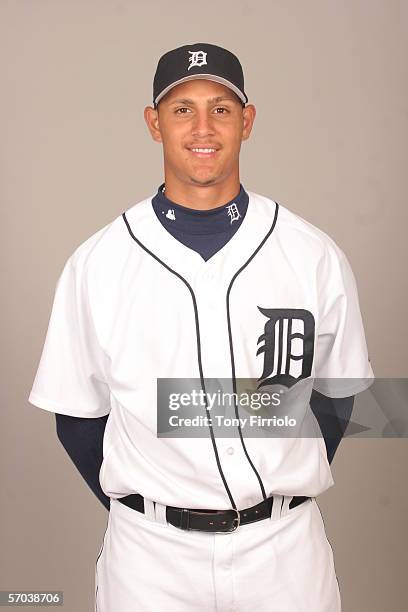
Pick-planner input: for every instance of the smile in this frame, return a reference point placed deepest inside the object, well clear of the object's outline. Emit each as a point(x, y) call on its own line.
point(204, 152)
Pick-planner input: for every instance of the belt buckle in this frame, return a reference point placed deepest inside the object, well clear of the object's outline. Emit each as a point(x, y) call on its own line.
point(235, 522)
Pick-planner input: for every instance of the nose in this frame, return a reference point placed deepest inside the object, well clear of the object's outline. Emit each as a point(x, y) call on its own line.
point(202, 124)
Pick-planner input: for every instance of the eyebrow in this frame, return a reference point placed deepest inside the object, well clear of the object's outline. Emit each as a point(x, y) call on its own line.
point(209, 101)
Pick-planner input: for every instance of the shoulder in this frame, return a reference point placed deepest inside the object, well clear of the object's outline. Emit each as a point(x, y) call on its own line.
point(109, 243)
point(293, 231)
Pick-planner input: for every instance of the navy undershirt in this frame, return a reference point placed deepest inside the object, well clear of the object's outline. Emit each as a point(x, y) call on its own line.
point(205, 231)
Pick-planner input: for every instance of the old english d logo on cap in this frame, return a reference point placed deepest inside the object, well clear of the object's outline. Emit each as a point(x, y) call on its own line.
point(198, 61)
point(197, 58)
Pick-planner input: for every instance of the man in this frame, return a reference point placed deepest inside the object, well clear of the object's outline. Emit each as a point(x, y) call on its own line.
point(205, 281)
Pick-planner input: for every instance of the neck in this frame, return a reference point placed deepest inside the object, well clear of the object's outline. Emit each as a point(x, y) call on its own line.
point(201, 197)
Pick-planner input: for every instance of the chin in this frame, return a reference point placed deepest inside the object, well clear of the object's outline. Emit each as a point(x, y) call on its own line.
point(204, 178)
point(203, 182)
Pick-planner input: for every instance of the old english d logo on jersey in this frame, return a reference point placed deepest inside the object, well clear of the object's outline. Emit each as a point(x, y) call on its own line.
point(288, 345)
point(233, 212)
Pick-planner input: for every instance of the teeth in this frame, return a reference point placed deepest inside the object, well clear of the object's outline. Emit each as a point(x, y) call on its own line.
point(203, 150)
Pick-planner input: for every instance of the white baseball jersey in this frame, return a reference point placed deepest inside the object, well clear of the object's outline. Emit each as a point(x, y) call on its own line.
point(133, 305)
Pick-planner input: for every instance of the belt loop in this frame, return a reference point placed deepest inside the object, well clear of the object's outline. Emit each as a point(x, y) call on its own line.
point(285, 506)
point(276, 507)
point(149, 510)
point(160, 513)
point(184, 519)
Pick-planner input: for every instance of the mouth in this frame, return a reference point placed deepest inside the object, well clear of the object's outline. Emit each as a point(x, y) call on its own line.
point(203, 152)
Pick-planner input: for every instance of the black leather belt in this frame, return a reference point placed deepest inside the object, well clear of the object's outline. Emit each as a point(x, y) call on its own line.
point(214, 521)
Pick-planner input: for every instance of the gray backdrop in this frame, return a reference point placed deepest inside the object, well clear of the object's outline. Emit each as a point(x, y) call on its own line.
point(329, 80)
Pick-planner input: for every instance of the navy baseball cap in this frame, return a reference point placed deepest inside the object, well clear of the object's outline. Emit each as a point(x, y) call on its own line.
point(198, 61)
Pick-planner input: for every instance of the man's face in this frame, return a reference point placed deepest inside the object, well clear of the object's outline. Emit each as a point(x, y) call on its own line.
point(200, 114)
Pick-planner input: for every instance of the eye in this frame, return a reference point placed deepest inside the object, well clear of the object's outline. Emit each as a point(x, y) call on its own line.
point(184, 108)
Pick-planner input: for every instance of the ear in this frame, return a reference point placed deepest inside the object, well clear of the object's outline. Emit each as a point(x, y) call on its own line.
point(151, 116)
point(248, 114)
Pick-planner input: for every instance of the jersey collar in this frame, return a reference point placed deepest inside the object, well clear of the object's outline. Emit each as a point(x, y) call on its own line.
point(256, 227)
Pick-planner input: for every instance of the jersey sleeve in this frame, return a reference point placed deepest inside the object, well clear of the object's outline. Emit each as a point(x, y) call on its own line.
point(71, 375)
point(342, 365)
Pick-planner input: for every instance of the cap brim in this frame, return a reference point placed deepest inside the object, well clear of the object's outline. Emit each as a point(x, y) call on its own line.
point(208, 77)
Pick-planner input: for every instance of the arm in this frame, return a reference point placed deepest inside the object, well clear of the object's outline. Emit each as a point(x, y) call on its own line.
point(333, 416)
point(82, 438)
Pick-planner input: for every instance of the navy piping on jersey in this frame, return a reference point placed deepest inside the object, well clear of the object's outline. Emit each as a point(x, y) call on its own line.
point(199, 345)
point(234, 382)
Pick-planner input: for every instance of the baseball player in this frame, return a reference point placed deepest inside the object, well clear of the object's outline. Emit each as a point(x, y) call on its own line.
point(205, 281)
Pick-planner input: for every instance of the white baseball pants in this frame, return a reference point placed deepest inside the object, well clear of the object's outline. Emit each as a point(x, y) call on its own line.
point(281, 564)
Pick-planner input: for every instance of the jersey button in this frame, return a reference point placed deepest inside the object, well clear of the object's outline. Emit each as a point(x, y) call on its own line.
point(230, 450)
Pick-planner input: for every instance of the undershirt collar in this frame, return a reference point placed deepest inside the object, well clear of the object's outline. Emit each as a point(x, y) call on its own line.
point(182, 219)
